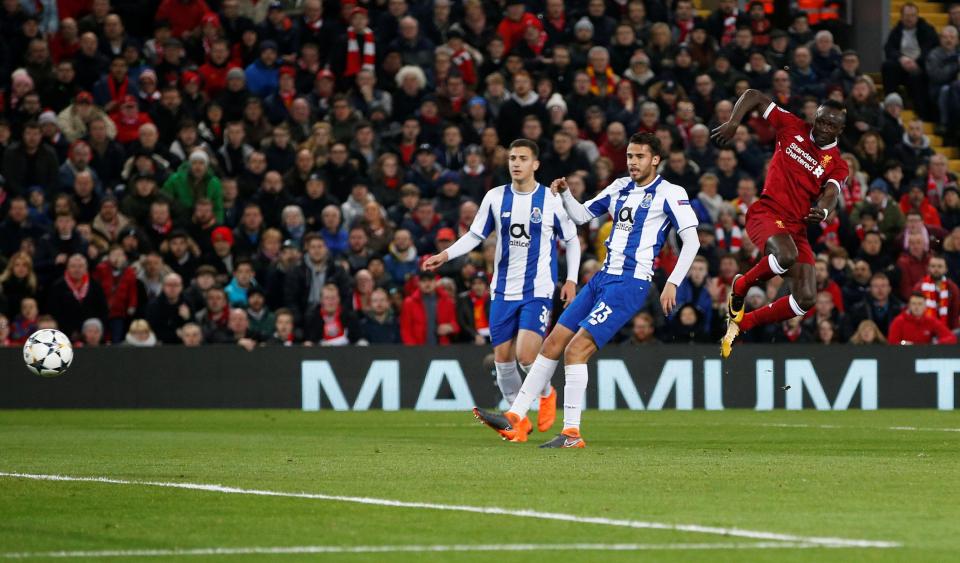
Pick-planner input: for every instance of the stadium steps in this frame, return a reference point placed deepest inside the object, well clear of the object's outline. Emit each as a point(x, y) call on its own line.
point(935, 15)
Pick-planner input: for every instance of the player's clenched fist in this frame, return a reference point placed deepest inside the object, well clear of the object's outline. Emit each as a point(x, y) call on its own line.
point(559, 185)
point(435, 261)
point(817, 215)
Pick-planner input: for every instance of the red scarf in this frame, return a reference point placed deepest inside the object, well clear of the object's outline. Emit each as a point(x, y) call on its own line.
point(333, 329)
point(729, 241)
point(729, 27)
point(164, 228)
point(287, 98)
point(117, 93)
point(315, 25)
point(937, 296)
point(595, 87)
point(538, 45)
point(560, 23)
point(353, 52)
point(852, 192)
point(464, 61)
point(79, 289)
point(685, 27)
point(480, 320)
point(221, 319)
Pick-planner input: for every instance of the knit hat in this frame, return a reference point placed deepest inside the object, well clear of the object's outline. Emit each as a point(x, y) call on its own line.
point(583, 23)
point(47, 117)
point(200, 155)
point(222, 234)
point(893, 99)
point(235, 72)
point(557, 101)
point(268, 44)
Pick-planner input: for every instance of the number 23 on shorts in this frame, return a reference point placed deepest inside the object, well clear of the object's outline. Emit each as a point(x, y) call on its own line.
point(600, 313)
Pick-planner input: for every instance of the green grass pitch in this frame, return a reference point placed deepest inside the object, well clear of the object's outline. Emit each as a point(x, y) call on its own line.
point(888, 476)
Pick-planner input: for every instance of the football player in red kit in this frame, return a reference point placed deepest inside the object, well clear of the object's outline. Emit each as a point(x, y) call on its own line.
point(802, 186)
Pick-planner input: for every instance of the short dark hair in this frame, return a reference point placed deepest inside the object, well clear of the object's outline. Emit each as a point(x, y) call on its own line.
point(312, 236)
point(834, 104)
point(649, 139)
point(526, 144)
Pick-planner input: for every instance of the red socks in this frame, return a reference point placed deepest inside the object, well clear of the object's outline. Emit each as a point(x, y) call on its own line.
point(765, 269)
point(780, 310)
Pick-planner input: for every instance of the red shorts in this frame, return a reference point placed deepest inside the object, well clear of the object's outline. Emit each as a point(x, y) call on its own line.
point(763, 223)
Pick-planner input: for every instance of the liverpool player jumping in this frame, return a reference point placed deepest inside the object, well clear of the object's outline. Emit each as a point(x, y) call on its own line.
point(806, 170)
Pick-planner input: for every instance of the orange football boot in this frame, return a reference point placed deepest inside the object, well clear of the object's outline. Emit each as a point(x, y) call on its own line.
point(547, 414)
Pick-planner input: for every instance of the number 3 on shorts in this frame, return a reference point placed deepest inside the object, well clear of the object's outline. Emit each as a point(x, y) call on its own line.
point(599, 313)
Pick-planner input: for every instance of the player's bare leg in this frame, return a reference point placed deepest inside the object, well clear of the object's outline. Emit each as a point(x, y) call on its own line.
point(575, 357)
point(510, 425)
point(780, 259)
point(528, 344)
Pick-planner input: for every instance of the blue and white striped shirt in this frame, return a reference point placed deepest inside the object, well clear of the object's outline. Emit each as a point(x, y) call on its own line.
point(642, 216)
point(527, 225)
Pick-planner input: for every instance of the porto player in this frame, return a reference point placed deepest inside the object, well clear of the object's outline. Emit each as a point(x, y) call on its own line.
point(643, 207)
point(527, 220)
point(803, 186)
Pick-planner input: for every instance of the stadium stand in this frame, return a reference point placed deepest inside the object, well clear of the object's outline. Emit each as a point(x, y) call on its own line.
point(168, 165)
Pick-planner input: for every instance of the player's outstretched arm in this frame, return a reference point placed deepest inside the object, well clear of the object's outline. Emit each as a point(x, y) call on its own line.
point(748, 102)
point(580, 213)
point(464, 244)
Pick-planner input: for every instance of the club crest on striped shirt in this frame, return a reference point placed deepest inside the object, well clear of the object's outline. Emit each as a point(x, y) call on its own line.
point(645, 202)
point(536, 216)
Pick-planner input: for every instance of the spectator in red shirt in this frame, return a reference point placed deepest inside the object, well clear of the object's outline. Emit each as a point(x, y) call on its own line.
point(214, 72)
point(941, 294)
point(824, 283)
point(912, 264)
point(184, 16)
point(428, 316)
point(332, 324)
point(511, 27)
point(128, 120)
point(119, 284)
point(473, 311)
point(615, 147)
point(913, 326)
point(916, 200)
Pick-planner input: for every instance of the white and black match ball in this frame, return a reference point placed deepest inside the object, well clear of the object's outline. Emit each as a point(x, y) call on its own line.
point(48, 353)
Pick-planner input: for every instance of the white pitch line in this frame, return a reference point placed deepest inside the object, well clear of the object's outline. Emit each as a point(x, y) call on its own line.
point(313, 549)
point(838, 427)
point(623, 523)
point(802, 425)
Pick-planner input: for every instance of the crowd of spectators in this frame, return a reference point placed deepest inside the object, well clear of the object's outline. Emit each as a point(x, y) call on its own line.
point(233, 171)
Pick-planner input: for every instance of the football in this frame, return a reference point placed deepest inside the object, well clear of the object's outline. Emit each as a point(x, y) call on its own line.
point(48, 353)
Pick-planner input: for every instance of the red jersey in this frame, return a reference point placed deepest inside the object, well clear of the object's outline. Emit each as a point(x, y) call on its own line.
point(799, 169)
